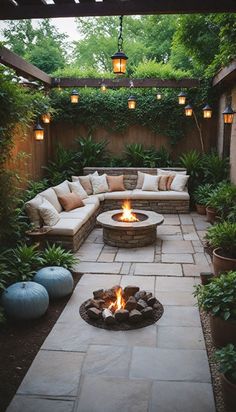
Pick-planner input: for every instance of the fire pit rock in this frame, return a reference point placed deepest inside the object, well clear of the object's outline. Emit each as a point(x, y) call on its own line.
point(121, 309)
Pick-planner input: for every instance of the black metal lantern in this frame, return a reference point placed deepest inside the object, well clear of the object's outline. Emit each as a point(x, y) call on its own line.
point(228, 115)
point(132, 102)
point(38, 132)
point(188, 110)
point(207, 111)
point(74, 97)
point(182, 98)
point(119, 59)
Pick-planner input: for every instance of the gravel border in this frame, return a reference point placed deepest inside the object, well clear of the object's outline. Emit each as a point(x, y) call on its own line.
point(205, 320)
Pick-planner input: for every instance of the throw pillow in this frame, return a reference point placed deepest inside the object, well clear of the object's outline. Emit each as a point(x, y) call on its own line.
point(77, 188)
point(48, 213)
point(62, 188)
point(179, 183)
point(85, 182)
point(140, 179)
point(50, 196)
point(115, 183)
point(169, 181)
point(171, 172)
point(32, 211)
point(70, 201)
point(163, 182)
point(99, 184)
point(150, 183)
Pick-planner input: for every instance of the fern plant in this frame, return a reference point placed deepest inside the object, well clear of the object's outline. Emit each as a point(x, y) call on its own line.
point(22, 261)
point(91, 153)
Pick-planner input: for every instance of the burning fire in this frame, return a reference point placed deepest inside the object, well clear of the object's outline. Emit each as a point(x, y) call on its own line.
point(119, 302)
point(128, 215)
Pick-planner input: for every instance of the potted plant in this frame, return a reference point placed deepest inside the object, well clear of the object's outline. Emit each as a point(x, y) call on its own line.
point(222, 237)
point(221, 202)
point(218, 298)
point(226, 358)
point(201, 196)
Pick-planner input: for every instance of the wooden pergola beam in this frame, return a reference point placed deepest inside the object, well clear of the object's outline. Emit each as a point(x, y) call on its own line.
point(30, 10)
point(227, 75)
point(124, 82)
point(22, 67)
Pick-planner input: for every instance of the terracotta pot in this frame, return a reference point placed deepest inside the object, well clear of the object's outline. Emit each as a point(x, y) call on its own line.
point(229, 393)
point(206, 277)
point(222, 263)
point(211, 214)
point(201, 209)
point(222, 331)
point(208, 249)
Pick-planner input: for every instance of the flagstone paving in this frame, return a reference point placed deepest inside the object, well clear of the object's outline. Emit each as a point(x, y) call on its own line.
point(159, 368)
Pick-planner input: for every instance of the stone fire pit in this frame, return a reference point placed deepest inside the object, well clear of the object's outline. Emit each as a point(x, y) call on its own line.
point(129, 234)
point(121, 309)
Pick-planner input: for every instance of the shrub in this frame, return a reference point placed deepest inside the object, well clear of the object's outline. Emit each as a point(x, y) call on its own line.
point(64, 165)
point(223, 235)
point(192, 161)
point(57, 256)
point(202, 193)
point(215, 169)
point(219, 296)
point(92, 153)
point(227, 361)
point(223, 200)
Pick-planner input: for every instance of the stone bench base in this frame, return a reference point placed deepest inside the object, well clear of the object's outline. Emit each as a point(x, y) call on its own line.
point(158, 206)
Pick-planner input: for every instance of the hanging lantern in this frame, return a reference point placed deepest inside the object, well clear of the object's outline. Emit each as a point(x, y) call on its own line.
point(182, 98)
point(228, 115)
point(207, 112)
point(74, 97)
point(159, 96)
point(132, 102)
point(103, 87)
point(119, 59)
point(188, 110)
point(46, 118)
point(38, 132)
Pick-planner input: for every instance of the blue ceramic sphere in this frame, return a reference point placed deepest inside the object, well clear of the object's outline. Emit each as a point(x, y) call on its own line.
point(25, 300)
point(57, 280)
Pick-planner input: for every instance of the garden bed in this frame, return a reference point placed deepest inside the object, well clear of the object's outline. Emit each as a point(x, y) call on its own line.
point(19, 344)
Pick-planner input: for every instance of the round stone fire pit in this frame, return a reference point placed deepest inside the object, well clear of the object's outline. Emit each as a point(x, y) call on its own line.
point(129, 234)
point(121, 309)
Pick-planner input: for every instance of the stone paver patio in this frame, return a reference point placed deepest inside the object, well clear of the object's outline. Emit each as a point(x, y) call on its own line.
point(160, 368)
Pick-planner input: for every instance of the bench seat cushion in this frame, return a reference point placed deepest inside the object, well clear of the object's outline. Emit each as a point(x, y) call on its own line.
point(160, 195)
point(125, 194)
point(92, 200)
point(83, 212)
point(67, 227)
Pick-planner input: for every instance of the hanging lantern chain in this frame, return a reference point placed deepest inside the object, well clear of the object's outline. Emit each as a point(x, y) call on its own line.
point(120, 37)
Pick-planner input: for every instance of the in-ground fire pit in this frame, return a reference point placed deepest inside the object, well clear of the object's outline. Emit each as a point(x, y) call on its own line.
point(121, 309)
point(129, 228)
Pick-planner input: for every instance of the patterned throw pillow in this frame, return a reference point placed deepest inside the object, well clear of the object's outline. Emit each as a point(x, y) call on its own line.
point(99, 184)
point(169, 181)
point(85, 181)
point(163, 182)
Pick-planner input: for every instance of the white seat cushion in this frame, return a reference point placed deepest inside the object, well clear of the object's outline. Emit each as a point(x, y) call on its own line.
point(67, 227)
point(83, 212)
point(124, 194)
point(161, 195)
point(92, 200)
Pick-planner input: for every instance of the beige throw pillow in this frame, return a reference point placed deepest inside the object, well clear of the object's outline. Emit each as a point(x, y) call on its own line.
point(140, 179)
point(115, 183)
point(85, 182)
point(99, 184)
point(170, 172)
point(163, 182)
point(62, 188)
point(179, 183)
point(32, 211)
point(50, 196)
point(77, 188)
point(150, 183)
point(70, 201)
point(48, 213)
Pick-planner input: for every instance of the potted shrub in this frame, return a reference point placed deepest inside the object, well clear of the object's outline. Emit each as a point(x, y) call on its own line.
point(222, 237)
point(201, 196)
point(218, 298)
point(226, 358)
point(211, 206)
point(221, 202)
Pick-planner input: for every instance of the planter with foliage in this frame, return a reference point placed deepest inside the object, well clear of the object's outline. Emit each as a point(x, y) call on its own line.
point(201, 196)
point(221, 203)
point(222, 237)
point(218, 299)
point(226, 358)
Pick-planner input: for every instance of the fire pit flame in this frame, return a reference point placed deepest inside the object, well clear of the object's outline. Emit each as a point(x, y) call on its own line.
point(119, 302)
point(128, 215)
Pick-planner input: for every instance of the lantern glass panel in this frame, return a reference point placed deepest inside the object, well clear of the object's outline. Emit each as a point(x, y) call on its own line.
point(188, 112)
point(131, 104)
point(46, 118)
point(182, 99)
point(39, 135)
point(159, 96)
point(207, 114)
point(119, 65)
point(228, 118)
point(74, 98)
